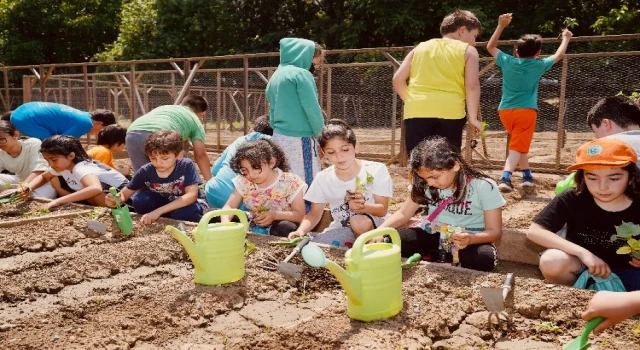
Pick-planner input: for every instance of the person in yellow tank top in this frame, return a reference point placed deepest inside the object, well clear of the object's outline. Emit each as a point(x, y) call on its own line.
point(443, 75)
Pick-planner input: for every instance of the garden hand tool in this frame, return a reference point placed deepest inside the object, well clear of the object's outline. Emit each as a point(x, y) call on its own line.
point(412, 261)
point(96, 225)
point(285, 267)
point(582, 342)
point(121, 214)
point(494, 298)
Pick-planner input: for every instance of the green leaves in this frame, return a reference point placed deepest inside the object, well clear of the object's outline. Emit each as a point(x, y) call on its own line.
point(627, 230)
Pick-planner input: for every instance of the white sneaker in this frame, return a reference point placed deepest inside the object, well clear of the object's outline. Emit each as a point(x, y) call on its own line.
point(527, 182)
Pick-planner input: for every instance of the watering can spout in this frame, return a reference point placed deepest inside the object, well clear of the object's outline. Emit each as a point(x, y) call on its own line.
point(188, 245)
point(350, 283)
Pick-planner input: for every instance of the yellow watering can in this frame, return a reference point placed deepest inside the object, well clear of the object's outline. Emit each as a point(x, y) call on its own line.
point(373, 276)
point(218, 251)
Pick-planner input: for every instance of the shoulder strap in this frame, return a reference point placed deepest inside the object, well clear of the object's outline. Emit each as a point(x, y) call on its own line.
point(443, 204)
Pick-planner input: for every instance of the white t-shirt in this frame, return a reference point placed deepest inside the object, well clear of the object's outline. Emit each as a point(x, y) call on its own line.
point(631, 138)
point(108, 176)
point(328, 188)
point(28, 161)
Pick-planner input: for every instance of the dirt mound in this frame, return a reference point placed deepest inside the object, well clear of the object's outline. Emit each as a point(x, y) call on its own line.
point(79, 290)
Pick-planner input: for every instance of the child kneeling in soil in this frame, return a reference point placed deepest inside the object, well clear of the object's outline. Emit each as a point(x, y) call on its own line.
point(20, 162)
point(168, 185)
point(110, 139)
point(607, 194)
point(273, 195)
point(357, 191)
point(74, 176)
point(456, 195)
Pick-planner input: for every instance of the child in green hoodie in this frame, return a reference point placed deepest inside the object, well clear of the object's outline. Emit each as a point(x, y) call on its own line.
point(294, 110)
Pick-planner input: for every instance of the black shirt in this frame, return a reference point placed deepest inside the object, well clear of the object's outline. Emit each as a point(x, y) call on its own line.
point(588, 225)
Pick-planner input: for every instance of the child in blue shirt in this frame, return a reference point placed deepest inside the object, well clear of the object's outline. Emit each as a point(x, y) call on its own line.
point(218, 189)
point(45, 119)
point(168, 185)
point(519, 105)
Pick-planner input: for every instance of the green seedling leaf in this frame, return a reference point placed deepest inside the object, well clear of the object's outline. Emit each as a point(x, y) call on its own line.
point(262, 208)
point(613, 238)
point(634, 244)
point(636, 255)
point(6, 186)
point(13, 198)
point(250, 247)
point(624, 250)
point(570, 22)
point(627, 230)
point(370, 179)
point(483, 134)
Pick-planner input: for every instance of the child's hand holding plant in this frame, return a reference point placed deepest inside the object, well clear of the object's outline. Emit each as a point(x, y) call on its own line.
point(263, 217)
point(356, 198)
point(458, 237)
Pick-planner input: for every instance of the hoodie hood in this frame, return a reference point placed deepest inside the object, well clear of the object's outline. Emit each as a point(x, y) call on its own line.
point(296, 52)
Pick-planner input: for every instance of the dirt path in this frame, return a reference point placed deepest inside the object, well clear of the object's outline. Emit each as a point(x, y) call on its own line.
point(79, 290)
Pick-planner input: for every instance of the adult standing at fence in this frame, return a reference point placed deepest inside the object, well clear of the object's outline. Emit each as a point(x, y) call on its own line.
point(443, 74)
point(44, 119)
point(294, 111)
point(183, 118)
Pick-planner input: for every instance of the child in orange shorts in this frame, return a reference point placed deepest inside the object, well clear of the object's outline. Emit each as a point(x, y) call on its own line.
point(519, 105)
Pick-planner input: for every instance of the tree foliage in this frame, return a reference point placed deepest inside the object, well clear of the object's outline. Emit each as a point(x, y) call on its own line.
point(51, 31)
point(54, 31)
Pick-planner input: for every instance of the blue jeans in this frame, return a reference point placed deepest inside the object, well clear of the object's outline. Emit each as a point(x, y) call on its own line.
point(147, 201)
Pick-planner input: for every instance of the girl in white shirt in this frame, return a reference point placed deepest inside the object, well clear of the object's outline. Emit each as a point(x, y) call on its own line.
point(357, 191)
point(73, 174)
point(20, 161)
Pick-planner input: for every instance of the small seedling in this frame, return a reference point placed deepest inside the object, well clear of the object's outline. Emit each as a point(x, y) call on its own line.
point(362, 186)
point(550, 327)
point(94, 213)
point(626, 232)
point(483, 134)
point(37, 212)
point(570, 22)
point(250, 247)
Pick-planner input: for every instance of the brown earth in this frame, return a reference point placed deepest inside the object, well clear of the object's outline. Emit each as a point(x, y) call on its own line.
point(63, 286)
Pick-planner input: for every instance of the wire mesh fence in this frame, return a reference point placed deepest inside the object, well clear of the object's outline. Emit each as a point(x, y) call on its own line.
point(353, 85)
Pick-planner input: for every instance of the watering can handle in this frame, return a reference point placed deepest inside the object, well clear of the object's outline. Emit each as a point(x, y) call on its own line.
point(114, 192)
point(358, 245)
point(204, 222)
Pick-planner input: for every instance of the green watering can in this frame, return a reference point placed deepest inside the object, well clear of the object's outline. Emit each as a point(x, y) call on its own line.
point(373, 275)
point(218, 251)
point(121, 214)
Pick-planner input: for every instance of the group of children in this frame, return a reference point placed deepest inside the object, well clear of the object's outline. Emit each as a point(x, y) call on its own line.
point(255, 173)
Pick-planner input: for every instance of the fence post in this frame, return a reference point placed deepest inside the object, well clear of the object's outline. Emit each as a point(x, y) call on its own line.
point(85, 78)
point(7, 102)
point(245, 64)
point(394, 115)
point(561, 110)
point(328, 93)
point(218, 106)
point(132, 88)
point(43, 88)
